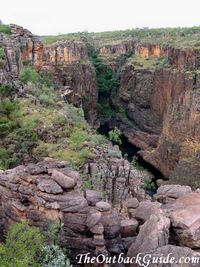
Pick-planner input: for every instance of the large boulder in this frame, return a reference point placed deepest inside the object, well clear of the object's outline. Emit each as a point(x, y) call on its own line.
point(169, 193)
point(153, 233)
point(63, 180)
point(186, 219)
point(146, 209)
point(49, 186)
point(93, 197)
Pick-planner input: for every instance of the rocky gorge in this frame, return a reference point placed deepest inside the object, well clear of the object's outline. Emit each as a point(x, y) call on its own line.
point(100, 199)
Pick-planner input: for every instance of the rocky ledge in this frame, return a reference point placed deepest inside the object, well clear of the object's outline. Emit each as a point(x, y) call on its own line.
point(51, 190)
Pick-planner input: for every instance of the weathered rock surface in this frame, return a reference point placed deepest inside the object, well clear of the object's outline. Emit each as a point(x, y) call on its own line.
point(93, 197)
point(169, 193)
point(63, 180)
point(114, 176)
point(186, 220)
point(153, 233)
point(43, 191)
point(129, 227)
point(146, 209)
point(67, 62)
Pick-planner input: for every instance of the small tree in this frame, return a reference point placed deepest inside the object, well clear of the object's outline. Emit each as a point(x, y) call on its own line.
point(22, 247)
point(114, 136)
point(29, 74)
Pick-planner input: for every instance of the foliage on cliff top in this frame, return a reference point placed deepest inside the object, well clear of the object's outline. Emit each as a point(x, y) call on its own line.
point(5, 29)
point(150, 63)
point(183, 37)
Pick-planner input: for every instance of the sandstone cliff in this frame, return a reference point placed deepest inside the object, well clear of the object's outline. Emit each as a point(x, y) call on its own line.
point(159, 92)
point(67, 63)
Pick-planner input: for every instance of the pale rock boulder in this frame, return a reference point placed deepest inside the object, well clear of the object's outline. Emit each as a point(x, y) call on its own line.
point(146, 209)
point(153, 233)
point(186, 220)
point(63, 180)
point(169, 193)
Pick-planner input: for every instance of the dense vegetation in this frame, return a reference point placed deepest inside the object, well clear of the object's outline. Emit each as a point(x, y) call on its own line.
point(28, 246)
point(107, 80)
point(42, 125)
point(5, 28)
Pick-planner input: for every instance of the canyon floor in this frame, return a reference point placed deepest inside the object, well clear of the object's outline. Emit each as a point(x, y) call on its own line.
point(100, 134)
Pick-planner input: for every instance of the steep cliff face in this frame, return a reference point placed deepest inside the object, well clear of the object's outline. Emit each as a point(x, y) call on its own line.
point(118, 48)
point(179, 57)
point(156, 107)
point(67, 62)
point(162, 103)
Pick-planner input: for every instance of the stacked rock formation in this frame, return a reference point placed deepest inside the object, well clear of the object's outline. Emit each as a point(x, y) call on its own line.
point(51, 190)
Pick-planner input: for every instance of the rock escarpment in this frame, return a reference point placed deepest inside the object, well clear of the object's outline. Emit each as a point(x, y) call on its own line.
point(67, 63)
point(160, 99)
point(51, 190)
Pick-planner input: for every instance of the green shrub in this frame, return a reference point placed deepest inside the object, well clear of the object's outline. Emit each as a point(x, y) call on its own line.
point(4, 157)
point(121, 60)
point(54, 257)
point(9, 115)
point(5, 29)
point(5, 90)
point(8, 107)
point(1, 53)
point(6, 126)
point(104, 110)
point(135, 163)
point(52, 231)
point(148, 185)
point(29, 74)
point(46, 79)
point(1, 57)
point(46, 100)
point(162, 62)
point(114, 136)
point(25, 139)
point(22, 247)
point(77, 138)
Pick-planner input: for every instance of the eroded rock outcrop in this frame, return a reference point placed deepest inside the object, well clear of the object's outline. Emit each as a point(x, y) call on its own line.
point(67, 63)
point(186, 219)
point(51, 190)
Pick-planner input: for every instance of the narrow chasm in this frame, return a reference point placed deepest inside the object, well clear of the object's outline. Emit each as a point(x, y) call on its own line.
point(130, 152)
